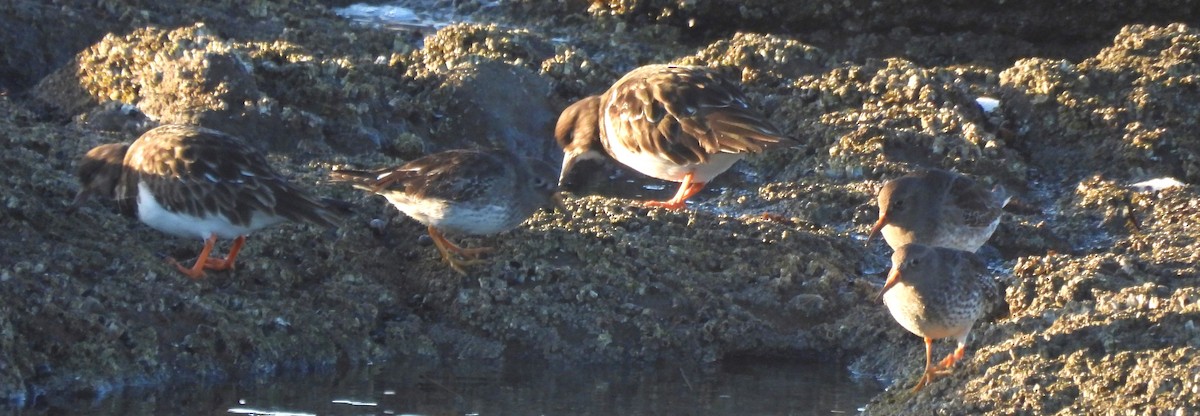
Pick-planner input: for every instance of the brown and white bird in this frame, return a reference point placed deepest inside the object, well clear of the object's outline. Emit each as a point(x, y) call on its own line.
point(938, 208)
point(685, 124)
point(936, 293)
point(472, 192)
point(195, 182)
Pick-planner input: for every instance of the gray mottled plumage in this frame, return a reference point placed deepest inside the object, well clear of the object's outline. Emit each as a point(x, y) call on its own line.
point(464, 191)
point(939, 292)
point(470, 192)
point(667, 121)
point(936, 293)
point(938, 208)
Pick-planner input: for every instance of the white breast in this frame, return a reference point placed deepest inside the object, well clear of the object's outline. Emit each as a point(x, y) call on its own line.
point(653, 165)
point(455, 218)
point(152, 213)
point(964, 238)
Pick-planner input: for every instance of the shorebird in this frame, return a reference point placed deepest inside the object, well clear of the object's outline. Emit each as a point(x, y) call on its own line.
point(936, 293)
point(470, 192)
point(683, 124)
point(195, 182)
point(938, 208)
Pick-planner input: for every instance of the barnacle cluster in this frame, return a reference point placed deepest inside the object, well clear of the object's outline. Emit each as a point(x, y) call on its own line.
point(1099, 275)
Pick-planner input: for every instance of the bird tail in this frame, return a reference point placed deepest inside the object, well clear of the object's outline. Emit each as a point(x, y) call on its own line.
point(367, 180)
point(300, 207)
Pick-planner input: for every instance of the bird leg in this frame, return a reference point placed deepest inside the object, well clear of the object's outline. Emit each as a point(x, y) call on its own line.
point(445, 247)
point(471, 253)
point(227, 262)
point(197, 269)
point(952, 358)
point(687, 188)
point(932, 372)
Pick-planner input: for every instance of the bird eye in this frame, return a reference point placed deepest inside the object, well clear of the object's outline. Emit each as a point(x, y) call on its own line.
point(898, 205)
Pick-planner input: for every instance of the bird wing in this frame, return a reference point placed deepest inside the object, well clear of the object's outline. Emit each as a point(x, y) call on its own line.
point(200, 171)
point(977, 205)
point(454, 175)
point(686, 114)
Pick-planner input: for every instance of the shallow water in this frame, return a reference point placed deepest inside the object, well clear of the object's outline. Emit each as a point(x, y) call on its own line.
point(746, 387)
point(403, 15)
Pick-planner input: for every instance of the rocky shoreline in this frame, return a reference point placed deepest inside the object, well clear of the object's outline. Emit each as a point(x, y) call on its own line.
point(1102, 277)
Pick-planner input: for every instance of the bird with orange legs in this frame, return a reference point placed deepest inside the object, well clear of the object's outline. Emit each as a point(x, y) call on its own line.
point(195, 182)
point(474, 192)
point(937, 293)
point(679, 123)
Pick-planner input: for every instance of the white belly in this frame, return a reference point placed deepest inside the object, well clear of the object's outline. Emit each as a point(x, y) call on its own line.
point(455, 218)
point(150, 212)
point(655, 166)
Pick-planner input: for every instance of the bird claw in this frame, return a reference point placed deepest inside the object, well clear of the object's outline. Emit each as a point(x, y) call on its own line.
point(933, 373)
point(193, 273)
point(218, 264)
point(459, 265)
point(671, 205)
point(929, 377)
point(474, 253)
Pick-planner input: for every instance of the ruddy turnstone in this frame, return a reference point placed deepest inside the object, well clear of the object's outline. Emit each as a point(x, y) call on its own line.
point(470, 192)
point(684, 124)
point(190, 181)
point(937, 293)
point(938, 208)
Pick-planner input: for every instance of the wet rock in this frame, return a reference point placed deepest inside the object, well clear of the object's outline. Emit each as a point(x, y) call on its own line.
point(1006, 17)
point(1099, 276)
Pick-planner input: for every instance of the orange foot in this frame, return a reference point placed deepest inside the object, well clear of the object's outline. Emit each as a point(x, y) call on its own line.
point(671, 205)
point(205, 261)
point(687, 188)
point(451, 253)
point(942, 369)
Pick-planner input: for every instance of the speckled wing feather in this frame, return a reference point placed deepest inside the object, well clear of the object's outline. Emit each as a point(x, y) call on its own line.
point(977, 205)
point(962, 263)
point(198, 172)
point(964, 284)
point(686, 114)
point(976, 279)
point(455, 175)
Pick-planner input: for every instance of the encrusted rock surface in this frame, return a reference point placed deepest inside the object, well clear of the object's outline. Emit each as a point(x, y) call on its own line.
point(1101, 278)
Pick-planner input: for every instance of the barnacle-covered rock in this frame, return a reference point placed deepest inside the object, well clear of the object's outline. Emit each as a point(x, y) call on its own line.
point(769, 260)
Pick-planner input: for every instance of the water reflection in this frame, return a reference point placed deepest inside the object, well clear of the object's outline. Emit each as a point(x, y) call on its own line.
point(745, 387)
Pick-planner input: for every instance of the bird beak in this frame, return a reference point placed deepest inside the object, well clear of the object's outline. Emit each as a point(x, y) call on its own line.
point(569, 160)
point(80, 198)
point(878, 226)
point(893, 278)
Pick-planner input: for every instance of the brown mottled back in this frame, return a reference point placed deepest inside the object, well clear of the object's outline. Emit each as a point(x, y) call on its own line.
point(686, 113)
point(198, 171)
